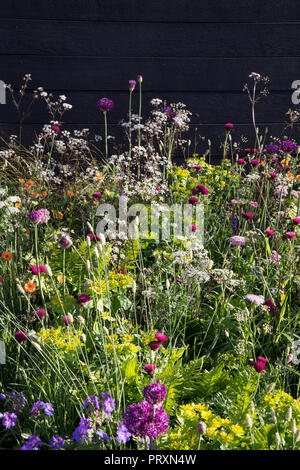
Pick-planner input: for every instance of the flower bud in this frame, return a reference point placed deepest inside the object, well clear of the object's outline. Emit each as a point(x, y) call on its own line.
point(289, 414)
point(249, 421)
point(201, 428)
point(48, 270)
point(277, 439)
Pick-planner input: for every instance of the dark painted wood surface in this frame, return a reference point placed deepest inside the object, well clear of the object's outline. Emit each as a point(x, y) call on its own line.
point(200, 52)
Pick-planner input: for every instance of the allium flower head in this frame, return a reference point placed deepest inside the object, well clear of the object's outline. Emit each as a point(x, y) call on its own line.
point(287, 146)
point(132, 84)
point(260, 364)
point(201, 428)
point(142, 420)
point(105, 105)
point(40, 216)
point(236, 240)
point(254, 162)
point(155, 393)
point(40, 313)
point(272, 149)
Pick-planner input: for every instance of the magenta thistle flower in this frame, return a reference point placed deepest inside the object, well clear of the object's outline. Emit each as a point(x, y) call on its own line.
point(254, 162)
point(105, 105)
point(241, 161)
point(40, 313)
point(290, 235)
point(83, 299)
point(269, 233)
point(260, 364)
point(269, 303)
point(161, 337)
point(20, 336)
point(229, 126)
point(247, 215)
point(150, 368)
point(193, 200)
point(155, 393)
point(273, 175)
point(34, 269)
point(153, 345)
point(296, 220)
point(97, 195)
point(202, 189)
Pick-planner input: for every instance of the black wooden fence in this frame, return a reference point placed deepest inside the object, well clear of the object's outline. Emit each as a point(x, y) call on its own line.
point(200, 52)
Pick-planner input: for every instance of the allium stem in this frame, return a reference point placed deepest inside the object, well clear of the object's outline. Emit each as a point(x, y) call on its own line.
point(105, 136)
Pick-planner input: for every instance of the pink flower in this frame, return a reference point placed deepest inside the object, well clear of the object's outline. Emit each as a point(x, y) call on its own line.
point(34, 270)
point(275, 258)
point(40, 313)
point(247, 215)
point(1, 279)
point(157, 188)
point(269, 233)
point(254, 162)
point(198, 167)
point(229, 126)
point(236, 240)
point(202, 189)
point(253, 204)
point(83, 299)
point(290, 235)
point(194, 191)
point(150, 369)
point(20, 336)
point(55, 128)
point(161, 337)
point(273, 175)
point(241, 161)
point(269, 303)
point(294, 194)
point(255, 299)
point(97, 195)
point(296, 220)
point(193, 228)
point(153, 345)
point(234, 201)
point(260, 364)
point(193, 200)
point(66, 319)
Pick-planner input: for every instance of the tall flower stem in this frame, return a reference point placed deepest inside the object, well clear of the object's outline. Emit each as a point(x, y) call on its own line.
point(105, 136)
point(38, 264)
point(139, 129)
point(129, 116)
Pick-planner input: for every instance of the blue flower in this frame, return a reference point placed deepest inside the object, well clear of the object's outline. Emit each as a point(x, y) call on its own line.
point(9, 420)
point(123, 435)
point(32, 443)
point(109, 403)
point(40, 405)
point(91, 403)
point(56, 442)
point(102, 435)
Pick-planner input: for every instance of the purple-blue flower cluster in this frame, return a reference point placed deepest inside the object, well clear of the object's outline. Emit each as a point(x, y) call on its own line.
point(40, 406)
point(56, 442)
point(9, 420)
point(32, 443)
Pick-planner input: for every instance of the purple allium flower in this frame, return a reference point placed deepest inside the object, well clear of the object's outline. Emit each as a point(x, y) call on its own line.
point(155, 393)
point(20, 336)
point(123, 435)
point(32, 443)
point(40, 216)
point(105, 105)
point(169, 112)
point(103, 435)
point(287, 146)
point(109, 403)
point(236, 240)
point(56, 442)
point(132, 84)
point(271, 149)
point(281, 191)
point(65, 242)
point(255, 299)
point(9, 420)
point(142, 419)
point(294, 194)
point(92, 403)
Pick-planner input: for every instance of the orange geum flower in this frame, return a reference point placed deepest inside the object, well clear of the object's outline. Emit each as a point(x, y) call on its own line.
point(29, 286)
point(70, 193)
point(6, 255)
point(60, 278)
point(17, 204)
point(28, 185)
point(289, 175)
point(44, 193)
point(99, 176)
point(285, 161)
point(21, 180)
point(297, 177)
point(59, 215)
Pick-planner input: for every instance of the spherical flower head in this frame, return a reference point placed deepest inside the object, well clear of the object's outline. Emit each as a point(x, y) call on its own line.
point(123, 435)
point(296, 220)
point(273, 175)
point(259, 366)
point(109, 403)
point(161, 337)
point(105, 105)
point(197, 167)
point(269, 233)
point(97, 195)
point(271, 149)
point(132, 84)
point(269, 303)
point(236, 240)
point(83, 299)
point(40, 313)
point(194, 191)
point(241, 161)
point(155, 393)
point(20, 336)
point(290, 235)
point(287, 146)
point(255, 299)
point(40, 216)
point(154, 345)
point(294, 194)
point(193, 228)
point(201, 428)
point(9, 420)
point(55, 128)
point(56, 442)
point(142, 420)
point(65, 242)
point(92, 403)
point(229, 126)
point(150, 368)
point(247, 215)
point(254, 162)
point(139, 78)
point(193, 200)
point(202, 189)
